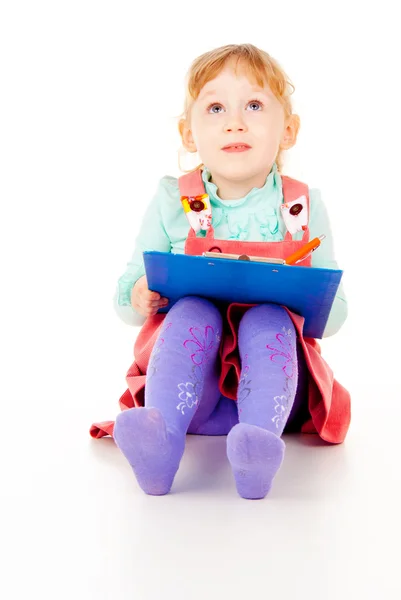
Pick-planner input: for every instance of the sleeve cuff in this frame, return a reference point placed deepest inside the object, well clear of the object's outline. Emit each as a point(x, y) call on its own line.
point(125, 285)
point(126, 313)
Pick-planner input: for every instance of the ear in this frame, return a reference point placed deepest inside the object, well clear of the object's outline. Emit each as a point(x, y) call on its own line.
point(290, 134)
point(186, 136)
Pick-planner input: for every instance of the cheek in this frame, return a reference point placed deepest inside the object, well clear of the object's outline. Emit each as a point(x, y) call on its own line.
point(204, 134)
point(269, 130)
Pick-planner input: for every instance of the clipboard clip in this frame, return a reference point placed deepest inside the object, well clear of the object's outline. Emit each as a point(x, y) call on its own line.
point(245, 257)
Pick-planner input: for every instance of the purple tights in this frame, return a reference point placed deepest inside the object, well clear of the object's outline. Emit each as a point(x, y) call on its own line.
point(182, 396)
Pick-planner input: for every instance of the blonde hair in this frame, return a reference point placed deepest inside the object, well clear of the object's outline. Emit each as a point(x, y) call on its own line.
point(258, 64)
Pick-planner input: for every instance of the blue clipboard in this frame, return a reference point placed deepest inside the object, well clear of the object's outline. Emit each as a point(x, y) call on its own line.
point(307, 291)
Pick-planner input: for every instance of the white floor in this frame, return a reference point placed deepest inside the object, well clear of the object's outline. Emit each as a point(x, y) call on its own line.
point(76, 524)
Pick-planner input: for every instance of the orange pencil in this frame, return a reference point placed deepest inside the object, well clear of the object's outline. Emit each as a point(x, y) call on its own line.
point(304, 251)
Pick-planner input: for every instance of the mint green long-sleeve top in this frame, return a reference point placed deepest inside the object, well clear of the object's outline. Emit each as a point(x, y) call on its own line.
point(256, 217)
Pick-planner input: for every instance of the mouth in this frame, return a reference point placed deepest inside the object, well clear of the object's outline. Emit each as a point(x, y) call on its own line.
point(236, 147)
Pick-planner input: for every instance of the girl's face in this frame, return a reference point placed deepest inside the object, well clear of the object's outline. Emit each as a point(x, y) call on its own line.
point(232, 110)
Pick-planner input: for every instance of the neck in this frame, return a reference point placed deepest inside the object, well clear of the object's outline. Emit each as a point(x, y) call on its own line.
point(233, 190)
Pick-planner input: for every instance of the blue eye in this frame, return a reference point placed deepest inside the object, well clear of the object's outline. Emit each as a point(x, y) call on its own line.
point(255, 103)
point(212, 107)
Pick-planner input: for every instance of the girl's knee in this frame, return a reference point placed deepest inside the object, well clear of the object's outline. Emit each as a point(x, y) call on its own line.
point(197, 309)
point(266, 315)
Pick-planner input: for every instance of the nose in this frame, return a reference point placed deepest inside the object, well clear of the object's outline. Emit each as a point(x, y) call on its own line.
point(234, 123)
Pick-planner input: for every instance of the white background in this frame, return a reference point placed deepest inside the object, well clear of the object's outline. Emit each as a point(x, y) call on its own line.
point(90, 92)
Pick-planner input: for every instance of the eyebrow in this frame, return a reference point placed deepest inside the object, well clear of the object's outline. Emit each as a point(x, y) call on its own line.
point(214, 92)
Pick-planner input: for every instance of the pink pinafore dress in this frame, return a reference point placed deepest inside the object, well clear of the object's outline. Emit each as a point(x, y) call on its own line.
point(328, 401)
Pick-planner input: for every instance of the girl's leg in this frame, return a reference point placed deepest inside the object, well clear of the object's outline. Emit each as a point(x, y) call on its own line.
point(183, 368)
point(267, 346)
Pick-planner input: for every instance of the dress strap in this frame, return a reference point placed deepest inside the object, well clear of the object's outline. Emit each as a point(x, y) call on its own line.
point(195, 201)
point(191, 184)
point(295, 209)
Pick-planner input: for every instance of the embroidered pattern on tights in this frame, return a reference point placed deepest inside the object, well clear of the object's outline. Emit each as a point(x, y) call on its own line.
point(284, 355)
point(200, 347)
point(189, 391)
point(244, 384)
point(282, 403)
point(155, 358)
point(201, 343)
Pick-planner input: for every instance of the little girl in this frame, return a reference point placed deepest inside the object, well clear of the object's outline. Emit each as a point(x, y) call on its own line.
point(244, 371)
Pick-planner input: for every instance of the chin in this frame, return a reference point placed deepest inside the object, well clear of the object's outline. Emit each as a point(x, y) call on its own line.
point(238, 173)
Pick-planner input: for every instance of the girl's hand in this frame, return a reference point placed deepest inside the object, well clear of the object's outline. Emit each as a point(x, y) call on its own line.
point(145, 302)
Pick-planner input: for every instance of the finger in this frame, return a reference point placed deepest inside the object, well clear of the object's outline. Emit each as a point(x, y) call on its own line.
point(152, 301)
point(159, 303)
point(145, 300)
point(150, 306)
